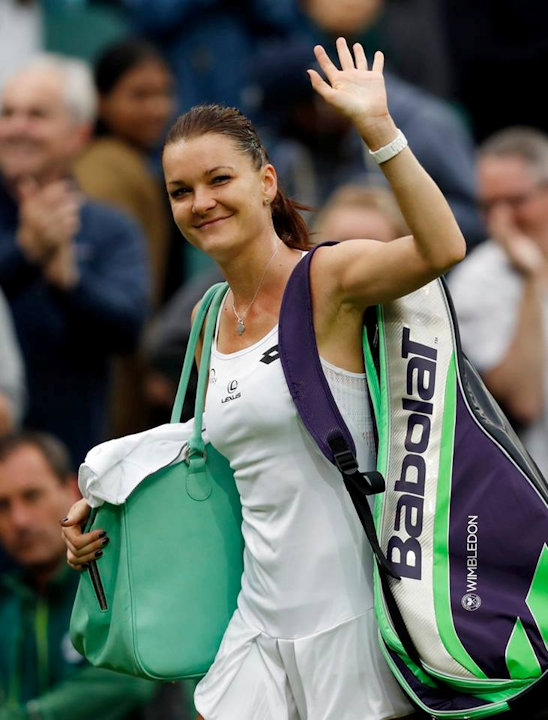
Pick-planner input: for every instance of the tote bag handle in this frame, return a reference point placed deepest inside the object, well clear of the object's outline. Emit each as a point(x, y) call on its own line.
point(190, 353)
point(209, 306)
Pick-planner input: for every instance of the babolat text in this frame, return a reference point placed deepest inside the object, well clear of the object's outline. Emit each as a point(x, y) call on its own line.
point(405, 552)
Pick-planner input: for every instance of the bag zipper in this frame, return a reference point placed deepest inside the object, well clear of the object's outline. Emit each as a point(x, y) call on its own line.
point(97, 583)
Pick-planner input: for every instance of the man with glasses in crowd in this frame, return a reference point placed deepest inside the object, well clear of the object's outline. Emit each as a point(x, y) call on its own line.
point(500, 290)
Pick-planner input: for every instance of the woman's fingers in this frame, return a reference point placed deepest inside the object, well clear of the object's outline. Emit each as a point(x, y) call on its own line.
point(359, 55)
point(345, 57)
point(348, 62)
point(318, 83)
point(81, 547)
point(378, 62)
point(325, 63)
point(86, 544)
point(75, 565)
point(79, 542)
point(81, 560)
point(77, 514)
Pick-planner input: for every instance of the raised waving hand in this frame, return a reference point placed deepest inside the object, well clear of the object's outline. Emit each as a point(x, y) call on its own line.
point(353, 89)
point(365, 272)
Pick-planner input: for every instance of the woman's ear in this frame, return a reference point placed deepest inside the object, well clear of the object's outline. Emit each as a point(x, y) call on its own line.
point(269, 183)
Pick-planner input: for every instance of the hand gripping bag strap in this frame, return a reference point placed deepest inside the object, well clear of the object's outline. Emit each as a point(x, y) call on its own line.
point(312, 396)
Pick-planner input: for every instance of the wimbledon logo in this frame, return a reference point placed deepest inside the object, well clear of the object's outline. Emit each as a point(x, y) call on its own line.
point(471, 602)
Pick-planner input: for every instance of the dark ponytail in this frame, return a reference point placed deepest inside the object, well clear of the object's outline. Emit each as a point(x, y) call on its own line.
point(202, 119)
point(288, 222)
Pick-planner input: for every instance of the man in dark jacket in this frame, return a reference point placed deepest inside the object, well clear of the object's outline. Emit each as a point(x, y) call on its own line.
point(74, 272)
point(42, 677)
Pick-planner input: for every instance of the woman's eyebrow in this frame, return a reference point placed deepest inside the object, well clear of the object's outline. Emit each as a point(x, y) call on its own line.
point(207, 172)
point(219, 167)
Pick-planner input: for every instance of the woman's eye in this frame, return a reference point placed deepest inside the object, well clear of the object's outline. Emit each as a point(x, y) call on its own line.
point(179, 192)
point(221, 178)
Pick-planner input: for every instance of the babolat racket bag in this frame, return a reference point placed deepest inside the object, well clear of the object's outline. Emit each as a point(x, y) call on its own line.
point(461, 580)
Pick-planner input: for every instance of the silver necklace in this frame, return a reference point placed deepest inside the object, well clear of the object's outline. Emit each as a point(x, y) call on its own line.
point(240, 327)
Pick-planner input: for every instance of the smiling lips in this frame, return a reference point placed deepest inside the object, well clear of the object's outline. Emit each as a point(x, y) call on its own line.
point(214, 221)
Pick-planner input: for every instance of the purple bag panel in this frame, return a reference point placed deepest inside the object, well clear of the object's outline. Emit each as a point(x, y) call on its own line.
point(498, 528)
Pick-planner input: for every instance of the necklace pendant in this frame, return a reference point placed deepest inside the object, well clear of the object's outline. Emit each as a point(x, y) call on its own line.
point(240, 328)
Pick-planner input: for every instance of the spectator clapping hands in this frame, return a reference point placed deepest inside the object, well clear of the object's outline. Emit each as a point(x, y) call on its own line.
point(49, 220)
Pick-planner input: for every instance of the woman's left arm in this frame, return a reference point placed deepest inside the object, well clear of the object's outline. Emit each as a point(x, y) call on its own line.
point(366, 272)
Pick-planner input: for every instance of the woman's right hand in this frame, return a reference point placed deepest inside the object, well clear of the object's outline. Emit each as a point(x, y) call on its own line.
point(356, 91)
point(82, 547)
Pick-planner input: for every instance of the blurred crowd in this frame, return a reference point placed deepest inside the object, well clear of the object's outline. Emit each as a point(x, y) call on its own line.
point(97, 286)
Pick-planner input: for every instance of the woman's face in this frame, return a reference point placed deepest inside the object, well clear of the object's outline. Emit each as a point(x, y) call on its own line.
point(217, 196)
point(140, 105)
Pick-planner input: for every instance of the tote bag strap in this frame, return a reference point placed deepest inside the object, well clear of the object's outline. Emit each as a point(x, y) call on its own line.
point(190, 353)
point(196, 443)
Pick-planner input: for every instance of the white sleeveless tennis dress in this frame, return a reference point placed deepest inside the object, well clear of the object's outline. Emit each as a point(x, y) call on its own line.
point(302, 644)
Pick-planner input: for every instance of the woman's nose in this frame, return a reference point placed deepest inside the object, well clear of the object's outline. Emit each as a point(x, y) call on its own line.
point(203, 201)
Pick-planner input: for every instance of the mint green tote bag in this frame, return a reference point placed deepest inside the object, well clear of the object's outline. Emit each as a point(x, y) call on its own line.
point(157, 603)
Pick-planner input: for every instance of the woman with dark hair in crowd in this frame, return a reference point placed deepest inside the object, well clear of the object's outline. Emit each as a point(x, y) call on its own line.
point(303, 640)
point(135, 105)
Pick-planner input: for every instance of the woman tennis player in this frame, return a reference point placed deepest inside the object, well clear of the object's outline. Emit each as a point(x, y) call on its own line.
point(302, 643)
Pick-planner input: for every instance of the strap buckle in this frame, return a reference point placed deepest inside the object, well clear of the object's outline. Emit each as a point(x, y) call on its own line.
point(367, 483)
point(345, 462)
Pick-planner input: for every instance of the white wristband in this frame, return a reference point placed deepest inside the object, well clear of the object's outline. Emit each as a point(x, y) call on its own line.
point(387, 152)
